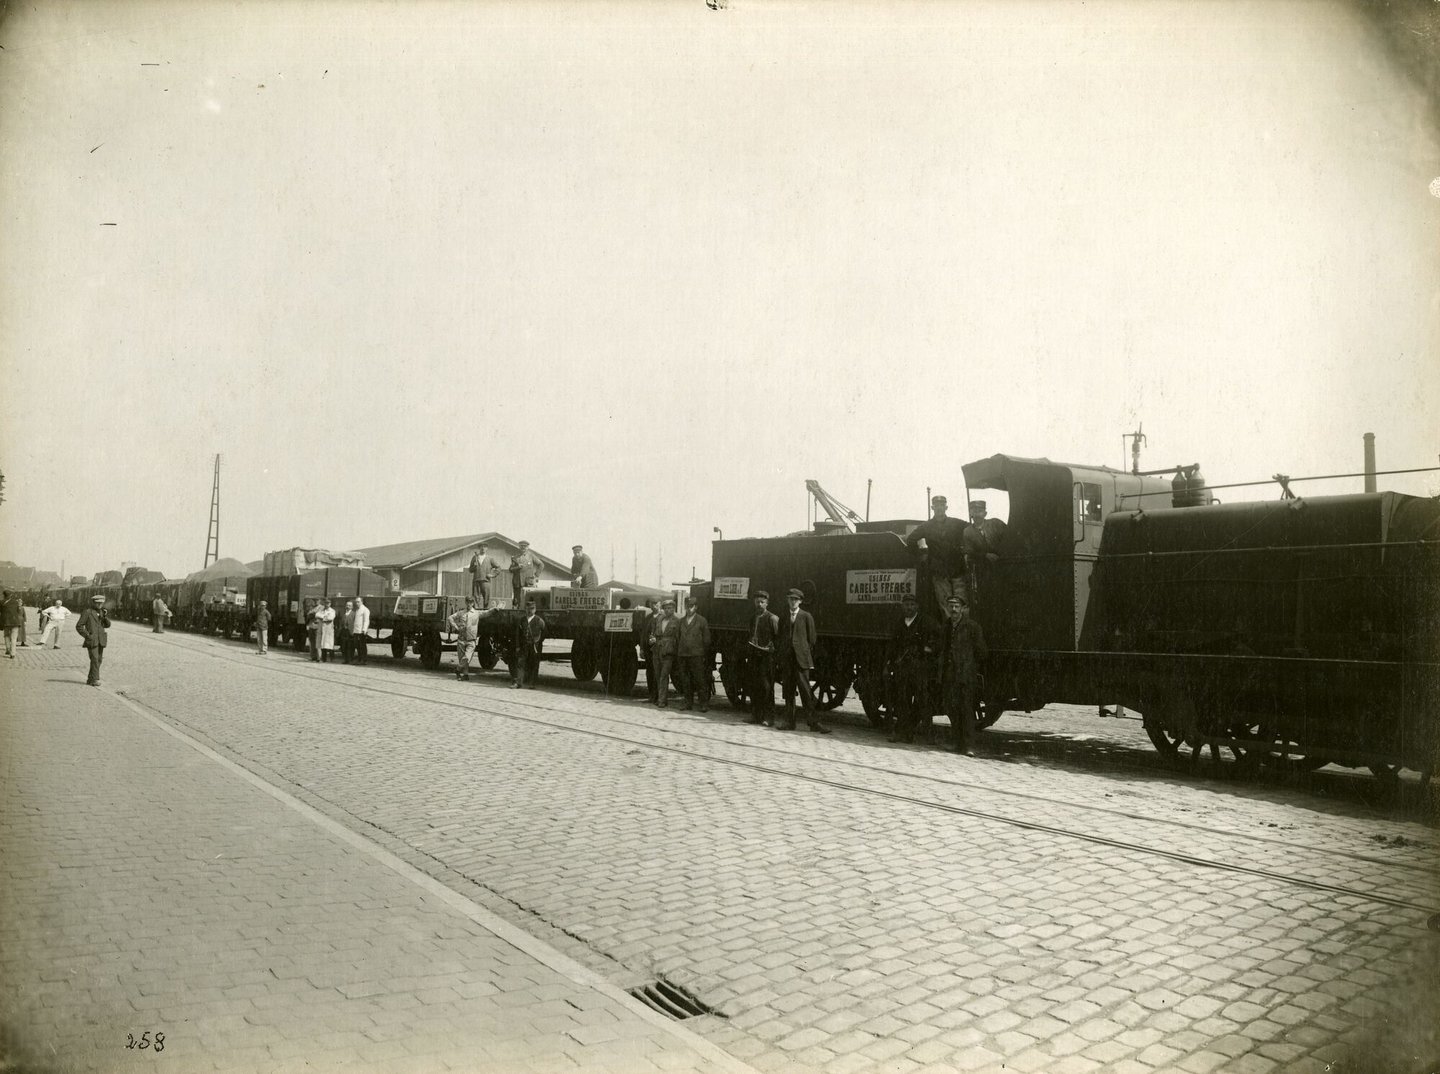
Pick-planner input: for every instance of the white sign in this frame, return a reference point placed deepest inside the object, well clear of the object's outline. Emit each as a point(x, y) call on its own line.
point(578, 600)
point(618, 622)
point(732, 588)
point(879, 587)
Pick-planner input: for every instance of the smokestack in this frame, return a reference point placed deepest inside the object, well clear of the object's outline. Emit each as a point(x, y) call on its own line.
point(1370, 462)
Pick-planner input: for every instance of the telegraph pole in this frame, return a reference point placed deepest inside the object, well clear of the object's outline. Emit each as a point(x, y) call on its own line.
point(212, 540)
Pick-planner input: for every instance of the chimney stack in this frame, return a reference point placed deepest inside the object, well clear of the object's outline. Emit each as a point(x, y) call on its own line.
point(1370, 462)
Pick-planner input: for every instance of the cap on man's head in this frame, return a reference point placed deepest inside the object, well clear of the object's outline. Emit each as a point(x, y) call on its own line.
point(761, 593)
point(530, 604)
point(469, 600)
point(524, 544)
point(668, 602)
point(576, 547)
point(98, 596)
point(938, 499)
point(958, 600)
point(690, 602)
point(909, 598)
point(977, 505)
point(796, 593)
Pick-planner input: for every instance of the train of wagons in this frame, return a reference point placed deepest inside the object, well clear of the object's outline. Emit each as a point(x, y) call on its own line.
point(1297, 632)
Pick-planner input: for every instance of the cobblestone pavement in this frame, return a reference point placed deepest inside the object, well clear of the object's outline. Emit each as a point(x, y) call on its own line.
point(153, 895)
point(852, 907)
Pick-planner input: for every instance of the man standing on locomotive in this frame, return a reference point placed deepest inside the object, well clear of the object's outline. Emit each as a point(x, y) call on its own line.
point(943, 556)
point(524, 570)
point(761, 656)
point(797, 648)
point(965, 655)
point(910, 660)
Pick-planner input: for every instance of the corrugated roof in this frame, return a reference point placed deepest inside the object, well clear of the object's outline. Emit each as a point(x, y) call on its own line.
point(409, 553)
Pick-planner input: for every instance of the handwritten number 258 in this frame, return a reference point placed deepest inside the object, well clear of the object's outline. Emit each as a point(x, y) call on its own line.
point(144, 1041)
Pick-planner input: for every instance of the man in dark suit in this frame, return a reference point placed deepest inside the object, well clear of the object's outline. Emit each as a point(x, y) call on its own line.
point(797, 648)
point(965, 656)
point(760, 653)
point(910, 658)
point(693, 654)
point(529, 641)
point(582, 570)
point(94, 621)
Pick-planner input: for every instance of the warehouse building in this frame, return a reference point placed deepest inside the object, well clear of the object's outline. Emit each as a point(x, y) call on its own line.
point(441, 564)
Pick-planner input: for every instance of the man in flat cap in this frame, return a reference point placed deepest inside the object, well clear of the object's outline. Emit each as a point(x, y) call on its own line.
point(483, 570)
point(943, 557)
point(94, 621)
point(760, 657)
point(797, 648)
point(529, 645)
point(664, 640)
point(524, 572)
point(582, 570)
point(693, 655)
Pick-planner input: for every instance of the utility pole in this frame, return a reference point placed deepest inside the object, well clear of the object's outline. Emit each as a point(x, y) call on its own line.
point(212, 540)
point(635, 565)
point(660, 567)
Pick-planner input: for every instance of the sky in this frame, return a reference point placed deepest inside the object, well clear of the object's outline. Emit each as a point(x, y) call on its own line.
point(622, 273)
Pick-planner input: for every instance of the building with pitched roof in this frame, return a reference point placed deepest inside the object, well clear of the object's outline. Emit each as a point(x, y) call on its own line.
point(441, 564)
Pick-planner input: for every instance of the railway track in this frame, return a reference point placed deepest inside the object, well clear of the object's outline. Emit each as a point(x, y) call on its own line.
point(618, 726)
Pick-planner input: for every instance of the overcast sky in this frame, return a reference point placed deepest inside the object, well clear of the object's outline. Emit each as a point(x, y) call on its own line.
point(617, 274)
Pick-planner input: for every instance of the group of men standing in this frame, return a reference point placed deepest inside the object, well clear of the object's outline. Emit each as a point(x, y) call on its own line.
point(324, 625)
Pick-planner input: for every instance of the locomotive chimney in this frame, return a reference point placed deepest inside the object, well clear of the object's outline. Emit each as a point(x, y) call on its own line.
point(1369, 462)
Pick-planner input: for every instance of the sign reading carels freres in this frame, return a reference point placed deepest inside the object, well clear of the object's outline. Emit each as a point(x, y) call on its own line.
point(879, 587)
point(579, 600)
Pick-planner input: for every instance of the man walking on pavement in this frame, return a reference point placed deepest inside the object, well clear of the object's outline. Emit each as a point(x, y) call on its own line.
point(761, 656)
point(910, 658)
point(50, 620)
point(582, 570)
point(943, 556)
point(797, 648)
point(262, 629)
point(12, 618)
point(664, 643)
point(964, 657)
point(529, 643)
point(466, 626)
point(693, 653)
point(483, 570)
point(359, 632)
point(158, 614)
point(94, 621)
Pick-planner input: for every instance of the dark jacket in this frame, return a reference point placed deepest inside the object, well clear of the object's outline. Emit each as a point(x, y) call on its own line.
point(945, 542)
point(764, 629)
point(665, 636)
point(12, 612)
point(530, 635)
point(582, 572)
point(965, 651)
point(799, 637)
point(694, 636)
point(913, 645)
point(92, 625)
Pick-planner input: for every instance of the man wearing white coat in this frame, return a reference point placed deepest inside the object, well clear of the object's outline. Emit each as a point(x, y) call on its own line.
point(359, 628)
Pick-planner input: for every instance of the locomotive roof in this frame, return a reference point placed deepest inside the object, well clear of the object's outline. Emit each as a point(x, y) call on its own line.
point(991, 473)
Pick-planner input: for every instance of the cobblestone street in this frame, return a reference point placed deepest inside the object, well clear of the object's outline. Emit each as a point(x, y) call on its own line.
point(276, 863)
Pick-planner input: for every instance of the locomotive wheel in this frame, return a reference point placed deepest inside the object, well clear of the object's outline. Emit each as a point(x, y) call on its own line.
point(486, 654)
point(734, 679)
point(397, 644)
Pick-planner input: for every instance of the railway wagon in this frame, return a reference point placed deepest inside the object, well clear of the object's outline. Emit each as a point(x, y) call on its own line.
point(1304, 631)
point(292, 597)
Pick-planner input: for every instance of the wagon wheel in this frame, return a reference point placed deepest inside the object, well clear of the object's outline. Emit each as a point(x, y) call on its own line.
point(1287, 756)
point(735, 681)
point(831, 689)
point(487, 655)
point(1168, 743)
point(619, 670)
point(987, 712)
point(1387, 774)
point(397, 644)
point(584, 659)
